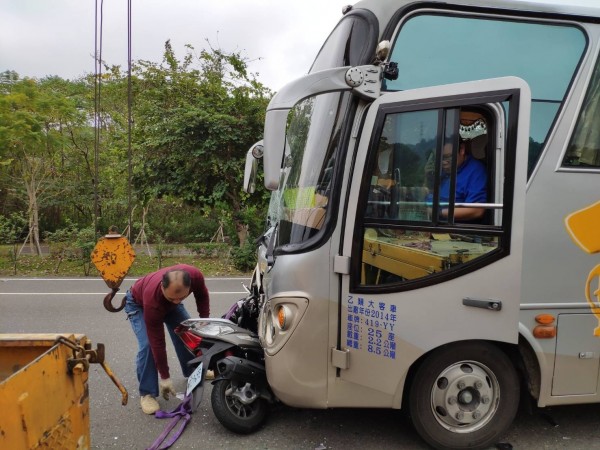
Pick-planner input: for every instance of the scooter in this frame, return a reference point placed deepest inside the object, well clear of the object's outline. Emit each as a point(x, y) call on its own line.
point(230, 347)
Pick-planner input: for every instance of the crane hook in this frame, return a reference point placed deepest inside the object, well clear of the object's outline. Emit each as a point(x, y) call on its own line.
point(108, 301)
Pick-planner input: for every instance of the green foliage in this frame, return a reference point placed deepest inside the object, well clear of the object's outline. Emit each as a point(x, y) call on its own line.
point(31, 265)
point(72, 243)
point(66, 235)
point(176, 221)
point(195, 126)
point(85, 241)
point(244, 258)
point(13, 228)
point(255, 217)
point(162, 249)
point(193, 121)
point(39, 120)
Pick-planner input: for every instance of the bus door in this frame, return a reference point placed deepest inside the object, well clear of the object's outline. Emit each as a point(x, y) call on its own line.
point(432, 244)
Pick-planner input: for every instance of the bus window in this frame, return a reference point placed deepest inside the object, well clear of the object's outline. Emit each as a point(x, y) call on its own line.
point(398, 180)
point(433, 201)
point(434, 49)
point(583, 151)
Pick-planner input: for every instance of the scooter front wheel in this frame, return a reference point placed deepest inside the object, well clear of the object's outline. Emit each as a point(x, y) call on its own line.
point(238, 408)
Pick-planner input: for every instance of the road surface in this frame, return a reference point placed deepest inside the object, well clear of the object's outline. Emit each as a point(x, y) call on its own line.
point(75, 305)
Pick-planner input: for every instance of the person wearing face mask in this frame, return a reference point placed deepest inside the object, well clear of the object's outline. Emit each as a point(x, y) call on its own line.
point(154, 301)
point(471, 183)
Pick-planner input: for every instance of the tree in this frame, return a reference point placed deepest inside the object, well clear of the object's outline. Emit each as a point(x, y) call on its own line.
point(32, 118)
point(194, 125)
point(193, 121)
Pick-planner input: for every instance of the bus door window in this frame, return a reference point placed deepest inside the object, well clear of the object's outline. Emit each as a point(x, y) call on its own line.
point(431, 195)
point(398, 187)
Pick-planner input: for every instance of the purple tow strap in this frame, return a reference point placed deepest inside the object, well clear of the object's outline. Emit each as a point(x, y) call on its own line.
point(180, 414)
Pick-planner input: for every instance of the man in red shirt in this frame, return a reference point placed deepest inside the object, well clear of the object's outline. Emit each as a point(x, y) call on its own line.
point(152, 301)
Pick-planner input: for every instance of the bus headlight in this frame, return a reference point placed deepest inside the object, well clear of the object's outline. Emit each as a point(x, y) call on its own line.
point(280, 317)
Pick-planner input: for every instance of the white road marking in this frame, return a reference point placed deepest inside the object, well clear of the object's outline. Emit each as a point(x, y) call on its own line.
point(100, 293)
point(100, 279)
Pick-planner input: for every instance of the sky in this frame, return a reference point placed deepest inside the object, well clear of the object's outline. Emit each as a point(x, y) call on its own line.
point(280, 38)
point(56, 37)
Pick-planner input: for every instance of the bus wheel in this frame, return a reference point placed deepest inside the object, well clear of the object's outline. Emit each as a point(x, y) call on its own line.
point(464, 396)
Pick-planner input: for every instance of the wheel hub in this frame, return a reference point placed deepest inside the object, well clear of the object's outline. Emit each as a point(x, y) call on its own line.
point(464, 397)
point(245, 394)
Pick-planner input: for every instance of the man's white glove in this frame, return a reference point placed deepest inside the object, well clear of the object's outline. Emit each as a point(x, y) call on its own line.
point(166, 387)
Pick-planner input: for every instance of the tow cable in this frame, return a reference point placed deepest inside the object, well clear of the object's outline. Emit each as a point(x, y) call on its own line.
point(180, 415)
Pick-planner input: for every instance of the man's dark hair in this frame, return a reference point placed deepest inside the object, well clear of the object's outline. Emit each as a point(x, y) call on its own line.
point(187, 279)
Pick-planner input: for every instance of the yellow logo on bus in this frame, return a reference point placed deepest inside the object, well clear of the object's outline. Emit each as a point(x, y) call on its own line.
point(583, 226)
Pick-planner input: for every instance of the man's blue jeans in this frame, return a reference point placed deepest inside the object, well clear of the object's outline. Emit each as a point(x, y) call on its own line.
point(147, 374)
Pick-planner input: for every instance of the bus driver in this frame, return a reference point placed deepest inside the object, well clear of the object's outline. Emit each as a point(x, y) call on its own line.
point(471, 183)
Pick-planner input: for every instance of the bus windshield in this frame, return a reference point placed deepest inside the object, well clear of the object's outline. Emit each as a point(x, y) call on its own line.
point(299, 208)
point(300, 204)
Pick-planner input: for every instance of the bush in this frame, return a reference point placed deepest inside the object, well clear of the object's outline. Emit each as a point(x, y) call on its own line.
point(255, 218)
point(85, 241)
point(72, 244)
point(244, 258)
point(13, 228)
point(189, 224)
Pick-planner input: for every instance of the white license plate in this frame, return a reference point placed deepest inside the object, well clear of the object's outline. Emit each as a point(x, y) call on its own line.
point(194, 380)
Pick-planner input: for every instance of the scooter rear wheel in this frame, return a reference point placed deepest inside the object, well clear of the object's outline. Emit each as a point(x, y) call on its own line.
point(239, 409)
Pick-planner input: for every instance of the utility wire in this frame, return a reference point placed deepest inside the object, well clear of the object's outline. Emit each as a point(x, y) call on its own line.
point(129, 121)
point(98, 16)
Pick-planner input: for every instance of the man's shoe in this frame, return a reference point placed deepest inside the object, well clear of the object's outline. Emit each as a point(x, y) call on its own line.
point(149, 404)
point(210, 375)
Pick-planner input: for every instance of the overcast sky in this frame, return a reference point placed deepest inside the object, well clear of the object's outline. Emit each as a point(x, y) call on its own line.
point(56, 37)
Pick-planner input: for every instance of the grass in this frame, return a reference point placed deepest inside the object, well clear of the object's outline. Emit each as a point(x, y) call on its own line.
point(213, 264)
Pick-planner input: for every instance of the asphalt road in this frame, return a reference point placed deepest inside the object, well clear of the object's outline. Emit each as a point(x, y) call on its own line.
point(75, 306)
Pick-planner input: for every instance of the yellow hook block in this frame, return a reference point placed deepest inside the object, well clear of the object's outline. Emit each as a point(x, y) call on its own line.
point(113, 257)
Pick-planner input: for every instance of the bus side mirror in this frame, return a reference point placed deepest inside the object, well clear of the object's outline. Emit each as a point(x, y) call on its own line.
point(255, 153)
point(274, 144)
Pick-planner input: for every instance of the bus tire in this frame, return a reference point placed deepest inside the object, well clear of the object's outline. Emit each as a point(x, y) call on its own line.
point(464, 396)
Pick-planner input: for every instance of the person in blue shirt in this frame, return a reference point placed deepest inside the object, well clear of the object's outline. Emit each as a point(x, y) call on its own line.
point(471, 183)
